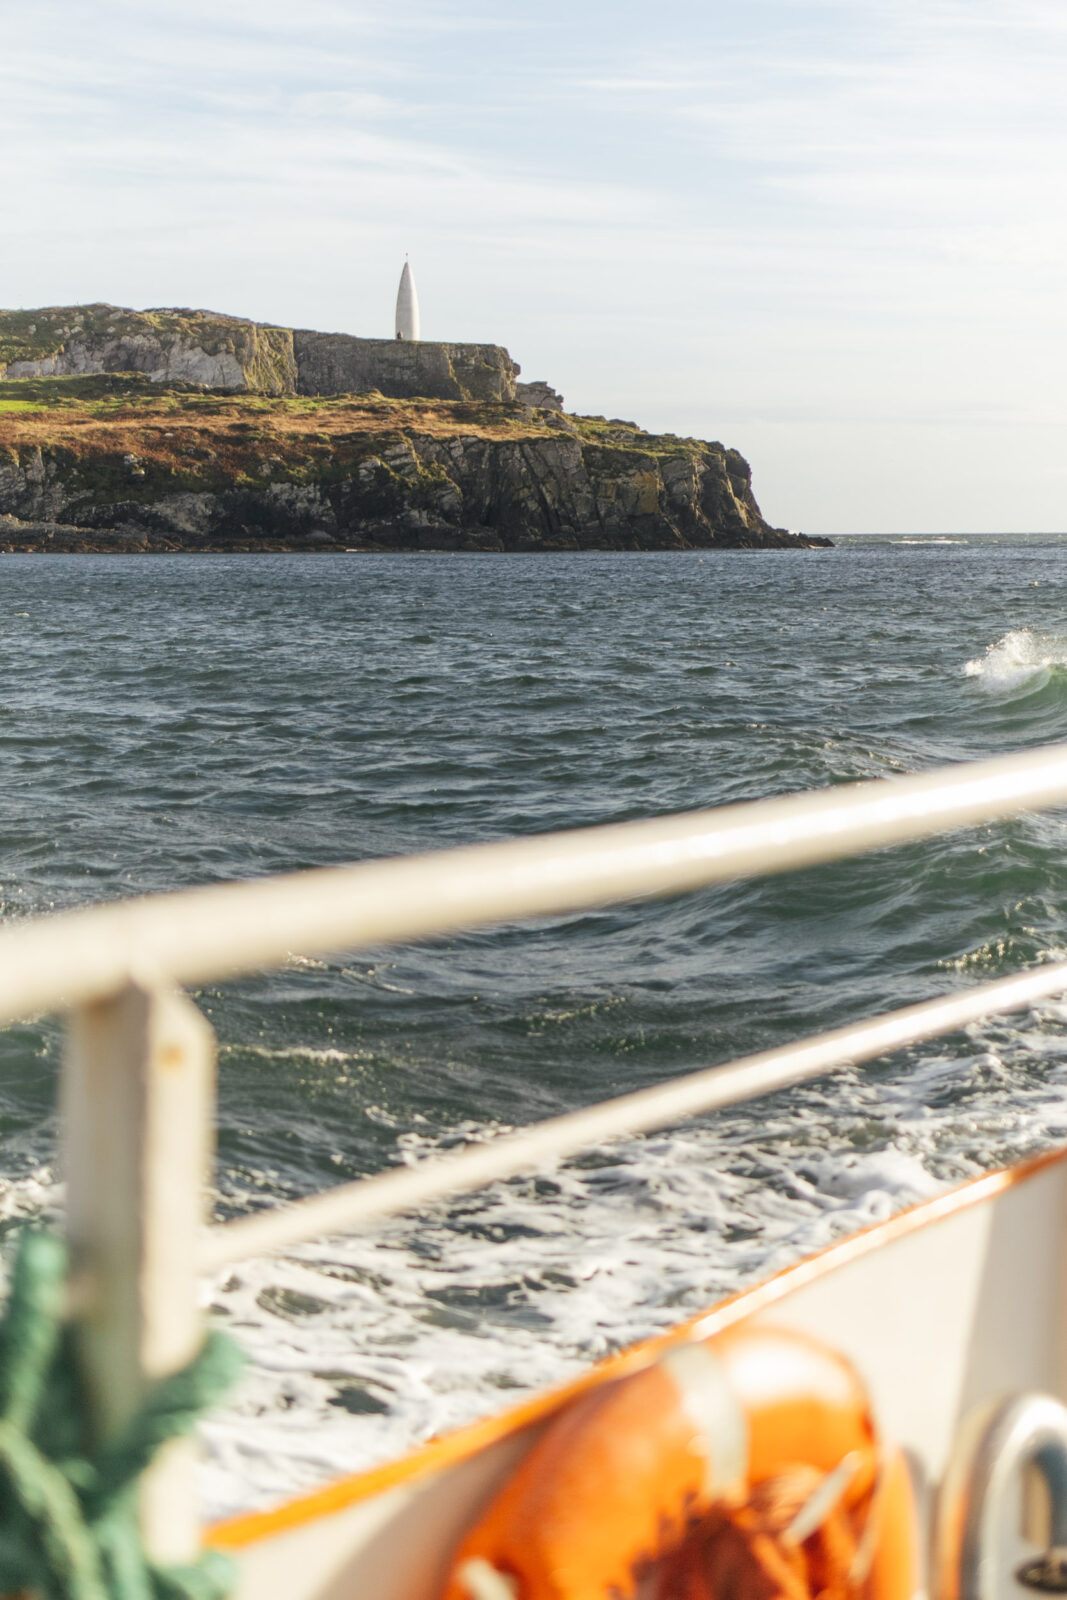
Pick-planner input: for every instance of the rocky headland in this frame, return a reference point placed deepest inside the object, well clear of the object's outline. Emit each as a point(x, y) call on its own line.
point(173, 430)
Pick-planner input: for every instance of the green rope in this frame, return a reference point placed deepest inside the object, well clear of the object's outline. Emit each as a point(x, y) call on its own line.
point(68, 1513)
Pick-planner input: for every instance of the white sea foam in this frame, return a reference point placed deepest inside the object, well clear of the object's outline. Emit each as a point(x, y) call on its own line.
point(436, 1324)
point(1022, 658)
point(360, 1347)
point(317, 1057)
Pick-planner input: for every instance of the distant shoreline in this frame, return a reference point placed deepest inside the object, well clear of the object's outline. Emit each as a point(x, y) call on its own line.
point(119, 460)
point(44, 538)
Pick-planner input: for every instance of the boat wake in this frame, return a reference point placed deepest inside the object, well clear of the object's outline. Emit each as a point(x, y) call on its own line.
point(363, 1346)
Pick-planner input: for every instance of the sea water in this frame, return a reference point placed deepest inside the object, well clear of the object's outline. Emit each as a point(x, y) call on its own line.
point(189, 719)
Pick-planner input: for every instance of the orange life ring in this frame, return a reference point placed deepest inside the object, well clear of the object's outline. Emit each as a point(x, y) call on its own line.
point(637, 1473)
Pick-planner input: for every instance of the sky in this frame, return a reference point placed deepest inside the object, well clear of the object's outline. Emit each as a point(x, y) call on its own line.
point(830, 233)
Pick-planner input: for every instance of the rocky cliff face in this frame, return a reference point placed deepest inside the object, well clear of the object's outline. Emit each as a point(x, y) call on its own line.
point(166, 346)
point(221, 352)
point(335, 363)
point(134, 470)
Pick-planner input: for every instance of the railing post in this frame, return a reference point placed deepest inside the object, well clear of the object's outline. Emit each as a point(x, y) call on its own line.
point(138, 1131)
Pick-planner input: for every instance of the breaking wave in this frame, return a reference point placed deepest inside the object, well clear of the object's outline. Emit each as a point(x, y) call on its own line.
point(1022, 660)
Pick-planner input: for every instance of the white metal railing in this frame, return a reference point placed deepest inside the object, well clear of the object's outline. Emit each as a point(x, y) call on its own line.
point(138, 1083)
point(209, 935)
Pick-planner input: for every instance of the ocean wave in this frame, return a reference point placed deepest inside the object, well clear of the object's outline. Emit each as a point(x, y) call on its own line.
point(316, 1057)
point(447, 702)
point(1021, 659)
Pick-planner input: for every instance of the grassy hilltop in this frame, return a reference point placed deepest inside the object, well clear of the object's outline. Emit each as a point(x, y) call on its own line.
point(186, 437)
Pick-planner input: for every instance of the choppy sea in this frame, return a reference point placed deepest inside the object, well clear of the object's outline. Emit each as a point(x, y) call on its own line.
point(187, 719)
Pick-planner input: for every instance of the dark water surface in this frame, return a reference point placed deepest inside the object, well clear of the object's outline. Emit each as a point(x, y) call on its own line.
point(181, 720)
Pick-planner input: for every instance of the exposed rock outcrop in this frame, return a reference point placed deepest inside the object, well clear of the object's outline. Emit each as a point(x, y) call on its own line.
point(167, 346)
point(538, 396)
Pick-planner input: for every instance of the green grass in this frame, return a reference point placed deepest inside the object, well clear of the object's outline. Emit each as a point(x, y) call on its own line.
point(125, 388)
point(612, 433)
point(101, 395)
point(333, 432)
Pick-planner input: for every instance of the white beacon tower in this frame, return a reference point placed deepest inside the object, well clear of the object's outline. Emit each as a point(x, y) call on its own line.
point(407, 305)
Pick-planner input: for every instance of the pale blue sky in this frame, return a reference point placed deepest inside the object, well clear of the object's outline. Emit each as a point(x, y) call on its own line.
point(829, 232)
